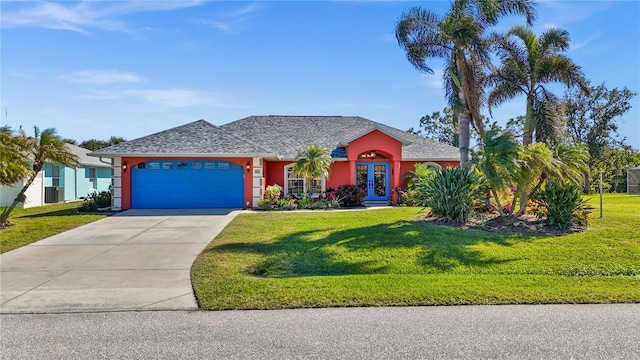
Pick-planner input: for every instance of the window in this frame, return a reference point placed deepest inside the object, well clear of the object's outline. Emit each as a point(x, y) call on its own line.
point(93, 181)
point(55, 175)
point(296, 185)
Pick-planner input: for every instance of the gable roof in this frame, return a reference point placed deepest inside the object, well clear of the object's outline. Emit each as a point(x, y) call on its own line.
point(84, 158)
point(199, 138)
point(275, 137)
point(289, 134)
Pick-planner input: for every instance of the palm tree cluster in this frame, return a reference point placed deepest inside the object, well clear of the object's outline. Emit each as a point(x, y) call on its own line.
point(471, 81)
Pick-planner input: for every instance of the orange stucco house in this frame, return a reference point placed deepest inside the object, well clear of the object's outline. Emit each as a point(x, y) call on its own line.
point(201, 165)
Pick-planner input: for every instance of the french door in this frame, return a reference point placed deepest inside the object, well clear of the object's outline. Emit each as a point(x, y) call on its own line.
point(373, 177)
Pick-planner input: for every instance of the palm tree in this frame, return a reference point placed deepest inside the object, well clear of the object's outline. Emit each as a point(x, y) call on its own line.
point(528, 63)
point(45, 146)
point(14, 165)
point(313, 162)
point(459, 39)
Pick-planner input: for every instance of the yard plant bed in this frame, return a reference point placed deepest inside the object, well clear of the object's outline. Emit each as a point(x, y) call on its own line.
point(37, 223)
point(385, 258)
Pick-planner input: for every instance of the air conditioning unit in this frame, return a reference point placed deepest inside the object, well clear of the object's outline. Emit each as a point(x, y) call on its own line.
point(53, 194)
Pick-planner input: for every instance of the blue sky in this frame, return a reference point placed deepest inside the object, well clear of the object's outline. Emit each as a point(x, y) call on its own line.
point(96, 69)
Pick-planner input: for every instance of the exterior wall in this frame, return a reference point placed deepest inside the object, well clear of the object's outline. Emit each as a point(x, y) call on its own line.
point(69, 180)
point(407, 166)
point(34, 194)
point(125, 189)
point(339, 175)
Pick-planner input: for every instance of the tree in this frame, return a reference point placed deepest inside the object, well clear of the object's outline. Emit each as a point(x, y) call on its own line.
point(459, 39)
point(45, 146)
point(592, 120)
point(14, 165)
point(528, 63)
point(313, 162)
point(93, 144)
point(441, 127)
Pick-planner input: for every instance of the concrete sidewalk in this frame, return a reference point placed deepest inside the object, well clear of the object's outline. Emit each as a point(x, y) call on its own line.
point(135, 260)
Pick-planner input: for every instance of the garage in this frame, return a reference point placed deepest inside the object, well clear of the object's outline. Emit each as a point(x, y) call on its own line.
point(187, 184)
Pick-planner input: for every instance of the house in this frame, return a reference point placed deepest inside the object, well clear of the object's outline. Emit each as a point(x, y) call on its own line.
point(60, 183)
point(200, 165)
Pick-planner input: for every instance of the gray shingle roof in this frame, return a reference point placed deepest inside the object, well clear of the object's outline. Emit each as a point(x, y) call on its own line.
point(198, 138)
point(275, 136)
point(286, 135)
point(84, 158)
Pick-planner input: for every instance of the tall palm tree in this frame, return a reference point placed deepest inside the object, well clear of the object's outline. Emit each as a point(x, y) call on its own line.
point(14, 165)
point(313, 162)
point(459, 39)
point(528, 63)
point(45, 146)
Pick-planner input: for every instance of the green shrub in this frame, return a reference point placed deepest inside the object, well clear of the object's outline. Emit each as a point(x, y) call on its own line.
point(322, 204)
point(282, 202)
point(305, 203)
point(96, 201)
point(265, 204)
point(562, 204)
point(451, 192)
point(350, 195)
point(290, 205)
point(273, 192)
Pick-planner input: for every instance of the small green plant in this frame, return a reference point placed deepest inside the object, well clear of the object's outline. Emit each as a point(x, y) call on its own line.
point(305, 203)
point(350, 195)
point(282, 202)
point(290, 205)
point(451, 192)
point(265, 204)
point(96, 201)
point(273, 192)
point(562, 204)
point(322, 204)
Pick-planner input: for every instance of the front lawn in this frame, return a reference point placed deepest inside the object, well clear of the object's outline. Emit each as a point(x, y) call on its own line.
point(383, 257)
point(37, 223)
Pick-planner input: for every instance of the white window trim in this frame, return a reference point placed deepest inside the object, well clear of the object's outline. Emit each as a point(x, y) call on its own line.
point(323, 186)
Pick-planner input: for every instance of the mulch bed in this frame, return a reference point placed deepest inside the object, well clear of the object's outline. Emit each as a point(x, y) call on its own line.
point(525, 224)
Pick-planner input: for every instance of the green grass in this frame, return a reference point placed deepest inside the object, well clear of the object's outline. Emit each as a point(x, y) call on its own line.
point(383, 257)
point(37, 223)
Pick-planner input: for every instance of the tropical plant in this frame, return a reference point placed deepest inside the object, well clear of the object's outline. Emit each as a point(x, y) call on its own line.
point(419, 173)
point(265, 204)
point(14, 165)
point(45, 146)
point(273, 192)
point(528, 63)
point(350, 195)
point(562, 204)
point(93, 144)
point(458, 38)
point(497, 161)
point(452, 192)
point(314, 162)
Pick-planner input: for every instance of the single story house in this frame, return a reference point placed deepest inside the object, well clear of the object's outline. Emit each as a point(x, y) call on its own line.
point(60, 183)
point(201, 165)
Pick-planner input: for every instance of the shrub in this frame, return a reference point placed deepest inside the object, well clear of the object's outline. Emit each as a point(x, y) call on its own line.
point(273, 192)
point(322, 204)
point(350, 195)
point(451, 192)
point(290, 205)
point(96, 201)
point(305, 203)
point(265, 204)
point(562, 204)
point(282, 202)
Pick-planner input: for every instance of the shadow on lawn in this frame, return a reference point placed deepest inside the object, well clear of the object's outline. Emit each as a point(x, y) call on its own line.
point(401, 247)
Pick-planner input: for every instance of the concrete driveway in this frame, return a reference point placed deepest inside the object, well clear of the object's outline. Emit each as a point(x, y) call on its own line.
point(135, 260)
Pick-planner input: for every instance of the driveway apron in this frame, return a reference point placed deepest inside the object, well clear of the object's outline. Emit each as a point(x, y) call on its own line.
point(134, 260)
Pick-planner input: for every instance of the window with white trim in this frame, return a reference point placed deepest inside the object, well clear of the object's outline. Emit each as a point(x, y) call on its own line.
point(298, 186)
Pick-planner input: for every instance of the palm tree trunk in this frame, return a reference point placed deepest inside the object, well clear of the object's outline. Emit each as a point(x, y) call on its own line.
point(19, 198)
point(464, 119)
point(527, 136)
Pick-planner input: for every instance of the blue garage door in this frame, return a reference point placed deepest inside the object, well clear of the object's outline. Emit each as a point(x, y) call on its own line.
point(176, 184)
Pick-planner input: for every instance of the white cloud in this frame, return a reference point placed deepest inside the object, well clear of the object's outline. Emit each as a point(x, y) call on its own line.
point(231, 21)
point(102, 76)
point(387, 38)
point(550, 26)
point(586, 41)
point(163, 98)
point(81, 16)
